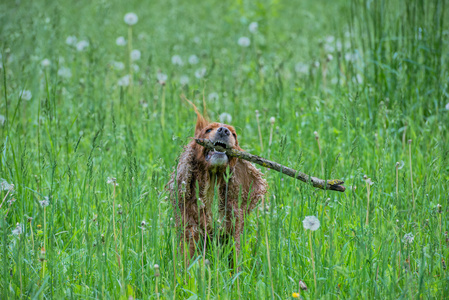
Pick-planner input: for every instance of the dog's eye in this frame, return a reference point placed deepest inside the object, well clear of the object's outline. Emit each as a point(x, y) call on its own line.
point(209, 130)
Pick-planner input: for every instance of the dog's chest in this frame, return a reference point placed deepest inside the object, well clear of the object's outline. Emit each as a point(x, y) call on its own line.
point(212, 205)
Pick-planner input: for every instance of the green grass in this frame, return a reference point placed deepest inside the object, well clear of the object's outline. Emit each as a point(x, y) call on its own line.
point(386, 83)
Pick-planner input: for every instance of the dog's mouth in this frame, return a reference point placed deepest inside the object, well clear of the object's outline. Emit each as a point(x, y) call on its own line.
point(215, 157)
point(221, 144)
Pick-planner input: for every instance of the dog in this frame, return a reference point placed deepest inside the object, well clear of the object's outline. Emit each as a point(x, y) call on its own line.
point(203, 175)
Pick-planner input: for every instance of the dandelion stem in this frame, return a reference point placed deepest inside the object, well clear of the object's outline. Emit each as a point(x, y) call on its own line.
point(258, 127)
point(411, 171)
point(268, 254)
point(313, 259)
point(113, 226)
point(319, 149)
point(397, 181)
point(163, 108)
point(367, 205)
point(130, 48)
point(143, 284)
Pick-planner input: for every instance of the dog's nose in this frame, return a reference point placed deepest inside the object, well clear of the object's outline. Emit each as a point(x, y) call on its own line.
point(223, 131)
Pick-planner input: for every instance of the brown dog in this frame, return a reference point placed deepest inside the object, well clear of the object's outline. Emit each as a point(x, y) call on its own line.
point(206, 169)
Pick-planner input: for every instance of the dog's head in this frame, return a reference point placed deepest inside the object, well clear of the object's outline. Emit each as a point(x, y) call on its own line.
point(220, 135)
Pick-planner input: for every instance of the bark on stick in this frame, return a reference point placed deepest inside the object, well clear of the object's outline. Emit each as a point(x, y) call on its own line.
point(331, 184)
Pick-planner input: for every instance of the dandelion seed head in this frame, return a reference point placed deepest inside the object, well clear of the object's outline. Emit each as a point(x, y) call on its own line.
point(161, 77)
point(18, 230)
point(193, 59)
point(213, 96)
point(5, 186)
point(71, 40)
point(184, 79)
point(200, 73)
point(111, 180)
point(82, 45)
point(120, 41)
point(447, 106)
point(26, 95)
point(244, 41)
point(156, 266)
point(177, 60)
point(45, 63)
point(65, 72)
point(408, 238)
point(131, 18)
point(272, 120)
point(311, 222)
point(225, 118)
point(135, 54)
point(302, 68)
point(253, 27)
point(124, 81)
point(44, 203)
point(118, 65)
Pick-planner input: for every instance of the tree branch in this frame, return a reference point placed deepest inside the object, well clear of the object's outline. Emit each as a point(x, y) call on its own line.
point(332, 184)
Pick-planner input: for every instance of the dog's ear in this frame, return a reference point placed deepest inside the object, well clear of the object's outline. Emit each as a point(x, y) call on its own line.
point(251, 180)
point(201, 121)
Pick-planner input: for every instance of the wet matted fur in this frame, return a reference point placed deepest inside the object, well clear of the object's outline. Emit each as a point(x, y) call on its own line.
point(201, 168)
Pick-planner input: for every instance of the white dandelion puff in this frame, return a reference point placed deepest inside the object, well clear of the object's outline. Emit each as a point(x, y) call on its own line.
point(161, 77)
point(131, 18)
point(82, 45)
point(120, 41)
point(213, 96)
point(272, 120)
point(193, 59)
point(18, 230)
point(302, 68)
point(184, 79)
point(4, 185)
point(311, 222)
point(177, 60)
point(26, 95)
point(64, 72)
point(71, 40)
point(44, 203)
point(447, 106)
point(400, 165)
point(45, 62)
point(225, 118)
point(244, 41)
point(118, 65)
point(124, 81)
point(135, 54)
point(408, 238)
point(112, 180)
point(200, 73)
point(368, 180)
point(253, 27)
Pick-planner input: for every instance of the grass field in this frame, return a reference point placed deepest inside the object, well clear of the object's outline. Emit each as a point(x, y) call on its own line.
point(355, 88)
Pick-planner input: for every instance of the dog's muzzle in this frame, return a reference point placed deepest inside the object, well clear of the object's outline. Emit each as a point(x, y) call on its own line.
point(221, 138)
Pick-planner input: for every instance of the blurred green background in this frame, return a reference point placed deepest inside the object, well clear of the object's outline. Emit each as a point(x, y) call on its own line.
point(85, 97)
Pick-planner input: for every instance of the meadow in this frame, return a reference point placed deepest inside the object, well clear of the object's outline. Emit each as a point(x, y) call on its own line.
point(92, 121)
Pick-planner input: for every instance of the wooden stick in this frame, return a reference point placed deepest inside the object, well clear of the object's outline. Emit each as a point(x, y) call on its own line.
point(332, 184)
